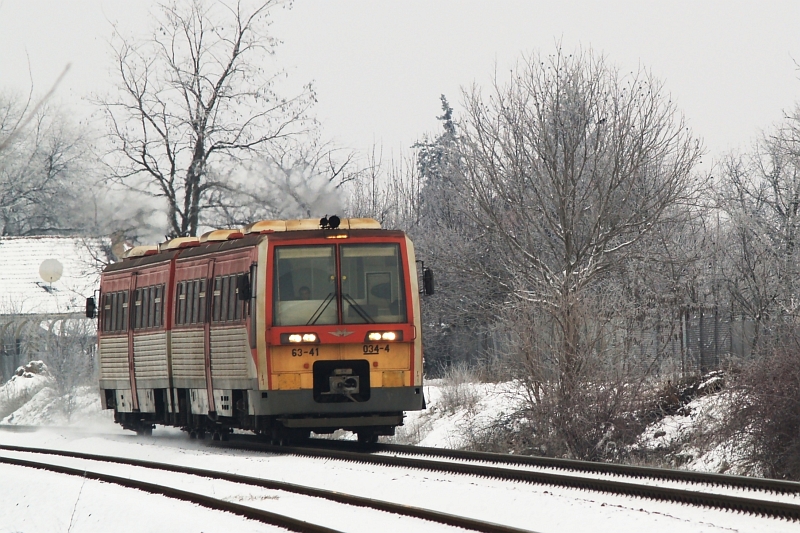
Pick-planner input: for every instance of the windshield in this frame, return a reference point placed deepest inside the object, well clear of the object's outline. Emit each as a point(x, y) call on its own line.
point(372, 284)
point(305, 288)
point(372, 289)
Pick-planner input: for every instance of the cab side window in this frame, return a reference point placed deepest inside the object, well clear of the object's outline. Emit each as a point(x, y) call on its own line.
point(226, 305)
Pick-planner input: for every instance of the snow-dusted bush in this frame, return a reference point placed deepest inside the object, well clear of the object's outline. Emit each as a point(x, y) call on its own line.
point(470, 424)
point(34, 367)
point(764, 414)
point(456, 388)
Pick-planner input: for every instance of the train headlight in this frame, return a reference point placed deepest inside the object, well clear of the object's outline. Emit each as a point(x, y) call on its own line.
point(389, 336)
point(294, 338)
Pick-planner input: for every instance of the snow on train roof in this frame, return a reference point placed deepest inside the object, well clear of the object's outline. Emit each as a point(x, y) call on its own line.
point(22, 289)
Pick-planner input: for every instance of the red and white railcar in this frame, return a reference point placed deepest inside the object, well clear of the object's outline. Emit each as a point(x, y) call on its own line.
point(282, 328)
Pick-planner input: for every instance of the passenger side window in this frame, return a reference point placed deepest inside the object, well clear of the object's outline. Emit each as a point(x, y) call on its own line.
point(115, 311)
point(148, 307)
point(190, 305)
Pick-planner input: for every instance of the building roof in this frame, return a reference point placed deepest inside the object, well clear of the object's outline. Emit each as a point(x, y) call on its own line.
point(24, 292)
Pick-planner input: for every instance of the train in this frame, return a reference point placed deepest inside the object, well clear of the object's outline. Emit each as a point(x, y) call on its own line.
point(281, 328)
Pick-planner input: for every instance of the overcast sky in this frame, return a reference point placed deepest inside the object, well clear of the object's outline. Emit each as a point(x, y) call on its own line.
point(379, 66)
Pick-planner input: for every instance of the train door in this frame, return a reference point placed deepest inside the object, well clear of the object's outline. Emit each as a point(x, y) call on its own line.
point(149, 338)
point(230, 363)
point(189, 336)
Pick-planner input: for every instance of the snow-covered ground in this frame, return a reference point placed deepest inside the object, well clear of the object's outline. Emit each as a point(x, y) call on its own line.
point(30, 398)
point(21, 388)
point(455, 411)
point(677, 436)
point(35, 501)
point(682, 438)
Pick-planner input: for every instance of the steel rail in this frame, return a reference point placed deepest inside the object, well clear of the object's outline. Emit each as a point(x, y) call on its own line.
point(358, 501)
point(14, 428)
point(742, 482)
point(719, 501)
point(252, 513)
point(572, 465)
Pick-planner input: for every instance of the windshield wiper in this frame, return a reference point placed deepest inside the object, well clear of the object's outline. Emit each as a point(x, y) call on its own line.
point(321, 309)
point(360, 310)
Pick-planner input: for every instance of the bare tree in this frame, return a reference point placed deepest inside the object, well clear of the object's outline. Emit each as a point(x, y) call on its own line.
point(43, 170)
point(761, 195)
point(68, 347)
point(571, 165)
point(195, 99)
point(386, 189)
point(13, 120)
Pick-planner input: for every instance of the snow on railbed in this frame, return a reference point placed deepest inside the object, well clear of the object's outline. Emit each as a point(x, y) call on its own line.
point(452, 412)
point(456, 411)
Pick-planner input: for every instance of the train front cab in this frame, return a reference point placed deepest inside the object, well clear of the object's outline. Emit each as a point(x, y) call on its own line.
point(341, 332)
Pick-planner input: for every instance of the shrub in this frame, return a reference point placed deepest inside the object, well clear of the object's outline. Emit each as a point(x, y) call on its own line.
point(765, 414)
point(457, 390)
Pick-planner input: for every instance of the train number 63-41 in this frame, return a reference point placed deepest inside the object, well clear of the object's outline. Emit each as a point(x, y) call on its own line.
point(299, 352)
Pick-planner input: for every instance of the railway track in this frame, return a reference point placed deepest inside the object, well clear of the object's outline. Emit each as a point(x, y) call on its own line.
point(266, 517)
point(249, 512)
point(516, 468)
point(571, 465)
point(600, 477)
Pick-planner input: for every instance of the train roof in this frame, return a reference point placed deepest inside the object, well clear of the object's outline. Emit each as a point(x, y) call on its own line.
point(195, 251)
point(231, 239)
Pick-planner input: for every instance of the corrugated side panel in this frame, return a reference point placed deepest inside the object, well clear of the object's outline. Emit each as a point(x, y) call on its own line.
point(188, 355)
point(150, 356)
point(114, 358)
point(229, 353)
